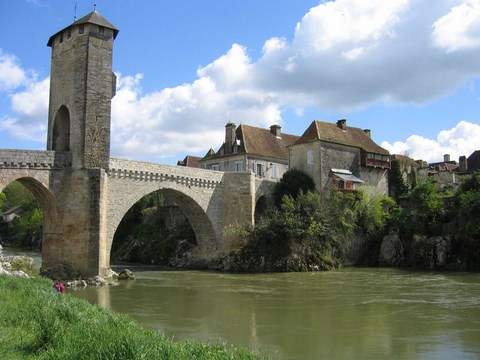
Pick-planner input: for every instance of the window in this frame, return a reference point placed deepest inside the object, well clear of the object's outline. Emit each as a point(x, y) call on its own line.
point(215, 167)
point(61, 38)
point(275, 172)
point(310, 157)
point(101, 30)
point(258, 169)
point(238, 166)
point(81, 29)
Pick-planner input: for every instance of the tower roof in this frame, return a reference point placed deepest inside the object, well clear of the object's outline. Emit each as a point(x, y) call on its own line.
point(93, 18)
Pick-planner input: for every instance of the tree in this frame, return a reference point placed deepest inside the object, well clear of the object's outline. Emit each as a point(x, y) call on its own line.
point(291, 183)
point(27, 230)
point(466, 221)
point(427, 209)
point(398, 188)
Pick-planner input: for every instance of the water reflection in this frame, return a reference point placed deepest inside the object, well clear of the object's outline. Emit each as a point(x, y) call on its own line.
point(347, 314)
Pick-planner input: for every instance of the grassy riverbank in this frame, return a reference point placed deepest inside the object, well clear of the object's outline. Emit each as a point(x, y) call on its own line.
point(38, 323)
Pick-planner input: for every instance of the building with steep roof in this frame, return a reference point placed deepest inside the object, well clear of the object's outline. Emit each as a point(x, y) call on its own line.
point(341, 155)
point(249, 148)
point(189, 161)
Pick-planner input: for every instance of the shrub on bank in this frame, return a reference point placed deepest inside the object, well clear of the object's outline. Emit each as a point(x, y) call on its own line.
point(38, 323)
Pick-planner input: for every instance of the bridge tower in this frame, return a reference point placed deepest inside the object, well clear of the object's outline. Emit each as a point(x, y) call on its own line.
point(82, 85)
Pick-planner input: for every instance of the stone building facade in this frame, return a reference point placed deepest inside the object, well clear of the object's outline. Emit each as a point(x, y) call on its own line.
point(251, 149)
point(341, 155)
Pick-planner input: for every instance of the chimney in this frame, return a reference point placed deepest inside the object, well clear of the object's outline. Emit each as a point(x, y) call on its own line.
point(368, 132)
point(342, 124)
point(462, 162)
point(446, 158)
point(229, 137)
point(276, 130)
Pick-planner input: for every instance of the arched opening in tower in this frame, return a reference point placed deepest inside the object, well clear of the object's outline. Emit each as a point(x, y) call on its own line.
point(61, 130)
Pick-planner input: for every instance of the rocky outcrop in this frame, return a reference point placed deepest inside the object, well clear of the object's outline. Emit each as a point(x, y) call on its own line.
point(432, 252)
point(16, 265)
point(126, 275)
point(391, 251)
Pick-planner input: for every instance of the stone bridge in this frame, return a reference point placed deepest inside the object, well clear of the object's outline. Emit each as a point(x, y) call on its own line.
point(80, 221)
point(85, 193)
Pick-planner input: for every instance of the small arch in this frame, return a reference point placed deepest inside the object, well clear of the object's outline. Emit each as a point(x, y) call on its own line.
point(61, 130)
point(261, 207)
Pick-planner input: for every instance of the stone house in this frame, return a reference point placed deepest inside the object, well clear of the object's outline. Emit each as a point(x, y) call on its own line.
point(341, 155)
point(189, 161)
point(12, 214)
point(447, 174)
point(249, 148)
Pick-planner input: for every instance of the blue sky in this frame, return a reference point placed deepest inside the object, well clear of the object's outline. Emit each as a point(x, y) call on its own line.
point(406, 69)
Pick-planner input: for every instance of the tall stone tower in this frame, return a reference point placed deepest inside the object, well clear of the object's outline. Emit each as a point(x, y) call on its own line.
point(82, 85)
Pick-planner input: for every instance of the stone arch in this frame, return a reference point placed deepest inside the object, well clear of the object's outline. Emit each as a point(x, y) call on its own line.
point(199, 220)
point(46, 201)
point(263, 197)
point(261, 206)
point(61, 130)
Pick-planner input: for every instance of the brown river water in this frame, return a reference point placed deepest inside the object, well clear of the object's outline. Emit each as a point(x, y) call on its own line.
point(354, 313)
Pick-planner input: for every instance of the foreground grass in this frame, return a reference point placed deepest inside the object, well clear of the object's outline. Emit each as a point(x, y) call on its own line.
point(38, 323)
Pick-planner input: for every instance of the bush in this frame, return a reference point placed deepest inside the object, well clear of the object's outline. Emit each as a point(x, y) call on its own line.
point(291, 184)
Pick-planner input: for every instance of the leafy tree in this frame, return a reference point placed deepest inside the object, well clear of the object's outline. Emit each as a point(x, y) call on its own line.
point(466, 221)
point(18, 195)
point(427, 209)
point(398, 187)
point(2, 202)
point(373, 214)
point(291, 183)
point(306, 232)
point(27, 230)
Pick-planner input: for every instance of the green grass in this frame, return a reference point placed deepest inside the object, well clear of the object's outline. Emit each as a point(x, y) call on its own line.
point(36, 322)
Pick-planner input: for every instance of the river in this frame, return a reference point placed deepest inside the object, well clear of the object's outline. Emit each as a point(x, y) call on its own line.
point(355, 313)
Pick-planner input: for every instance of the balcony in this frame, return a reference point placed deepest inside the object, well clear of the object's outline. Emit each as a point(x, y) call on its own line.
point(377, 163)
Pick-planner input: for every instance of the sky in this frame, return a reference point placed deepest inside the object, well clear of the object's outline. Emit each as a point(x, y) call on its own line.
point(408, 70)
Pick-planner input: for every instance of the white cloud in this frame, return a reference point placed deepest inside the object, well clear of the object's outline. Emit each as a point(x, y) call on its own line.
point(460, 28)
point(29, 122)
point(344, 55)
point(347, 22)
point(32, 104)
point(11, 73)
point(463, 139)
point(188, 118)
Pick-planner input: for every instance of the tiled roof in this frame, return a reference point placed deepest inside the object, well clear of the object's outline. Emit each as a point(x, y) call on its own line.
point(92, 18)
point(189, 161)
point(351, 136)
point(259, 142)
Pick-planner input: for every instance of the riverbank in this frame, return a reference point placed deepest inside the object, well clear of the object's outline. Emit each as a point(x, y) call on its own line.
point(38, 323)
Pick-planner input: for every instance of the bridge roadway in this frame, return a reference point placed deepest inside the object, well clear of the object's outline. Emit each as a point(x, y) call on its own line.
point(211, 200)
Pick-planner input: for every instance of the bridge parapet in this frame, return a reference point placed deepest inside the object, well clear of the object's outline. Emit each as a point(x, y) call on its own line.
point(33, 159)
point(153, 172)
